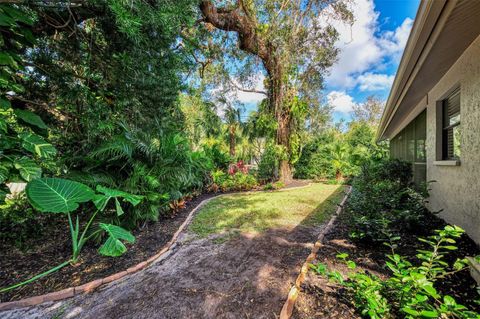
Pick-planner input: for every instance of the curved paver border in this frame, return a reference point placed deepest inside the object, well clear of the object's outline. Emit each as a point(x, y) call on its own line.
point(289, 304)
point(93, 285)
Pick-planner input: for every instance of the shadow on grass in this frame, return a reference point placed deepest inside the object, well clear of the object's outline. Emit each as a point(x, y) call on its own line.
point(246, 276)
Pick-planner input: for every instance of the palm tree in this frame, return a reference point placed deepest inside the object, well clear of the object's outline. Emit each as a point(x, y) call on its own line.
point(232, 119)
point(339, 156)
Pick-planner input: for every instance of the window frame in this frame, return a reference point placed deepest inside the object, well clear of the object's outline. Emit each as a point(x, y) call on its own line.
point(446, 126)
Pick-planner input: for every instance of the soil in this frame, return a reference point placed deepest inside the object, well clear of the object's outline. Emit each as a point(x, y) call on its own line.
point(55, 248)
point(322, 299)
point(297, 183)
point(17, 265)
point(221, 276)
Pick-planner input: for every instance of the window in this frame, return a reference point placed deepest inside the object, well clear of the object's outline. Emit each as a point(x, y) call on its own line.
point(409, 145)
point(451, 133)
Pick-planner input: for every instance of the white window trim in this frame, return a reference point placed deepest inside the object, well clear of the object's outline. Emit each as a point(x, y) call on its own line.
point(447, 163)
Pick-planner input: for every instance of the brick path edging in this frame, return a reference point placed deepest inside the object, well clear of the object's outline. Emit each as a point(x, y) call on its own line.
point(289, 305)
point(93, 285)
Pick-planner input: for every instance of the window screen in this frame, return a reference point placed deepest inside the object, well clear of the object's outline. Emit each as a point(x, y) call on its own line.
point(409, 145)
point(451, 133)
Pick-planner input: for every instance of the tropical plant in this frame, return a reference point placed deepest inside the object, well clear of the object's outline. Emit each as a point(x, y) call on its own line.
point(155, 163)
point(56, 195)
point(23, 144)
point(339, 159)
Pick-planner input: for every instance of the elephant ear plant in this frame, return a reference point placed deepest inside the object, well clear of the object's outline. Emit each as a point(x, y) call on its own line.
point(62, 196)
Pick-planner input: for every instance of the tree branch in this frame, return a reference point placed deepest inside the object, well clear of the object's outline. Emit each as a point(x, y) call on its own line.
point(247, 90)
point(236, 20)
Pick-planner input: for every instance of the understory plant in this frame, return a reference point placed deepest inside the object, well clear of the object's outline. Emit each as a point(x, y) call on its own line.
point(62, 196)
point(273, 186)
point(384, 201)
point(155, 163)
point(232, 182)
point(410, 291)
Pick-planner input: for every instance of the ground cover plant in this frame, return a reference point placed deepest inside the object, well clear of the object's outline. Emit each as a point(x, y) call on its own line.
point(390, 258)
point(410, 291)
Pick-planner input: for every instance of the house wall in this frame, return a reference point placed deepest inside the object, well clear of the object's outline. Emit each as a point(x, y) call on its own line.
point(457, 188)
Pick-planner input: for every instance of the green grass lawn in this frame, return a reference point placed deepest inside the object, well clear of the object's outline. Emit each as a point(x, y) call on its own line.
point(256, 212)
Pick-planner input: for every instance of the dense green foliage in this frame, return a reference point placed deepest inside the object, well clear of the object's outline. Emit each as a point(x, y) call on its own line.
point(410, 290)
point(78, 81)
point(384, 201)
point(56, 195)
point(337, 154)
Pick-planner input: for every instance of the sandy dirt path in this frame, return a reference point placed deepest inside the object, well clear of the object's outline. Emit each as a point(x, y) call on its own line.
point(247, 276)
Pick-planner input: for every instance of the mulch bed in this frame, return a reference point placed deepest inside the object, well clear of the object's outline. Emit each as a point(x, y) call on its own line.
point(321, 299)
point(297, 183)
point(55, 247)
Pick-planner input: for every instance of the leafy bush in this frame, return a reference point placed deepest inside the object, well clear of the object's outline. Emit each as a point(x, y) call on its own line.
point(315, 161)
point(236, 182)
point(220, 160)
point(384, 201)
point(23, 134)
point(156, 164)
point(410, 291)
point(238, 167)
point(273, 186)
point(268, 165)
point(19, 223)
point(334, 154)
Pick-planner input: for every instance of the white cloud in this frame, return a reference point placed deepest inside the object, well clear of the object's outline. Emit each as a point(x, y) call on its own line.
point(393, 42)
point(251, 97)
point(363, 47)
point(374, 82)
point(340, 101)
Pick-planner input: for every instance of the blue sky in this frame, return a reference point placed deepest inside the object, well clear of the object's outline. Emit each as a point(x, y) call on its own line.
point(370, 52)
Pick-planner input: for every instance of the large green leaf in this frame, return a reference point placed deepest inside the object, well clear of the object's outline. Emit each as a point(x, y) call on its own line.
point(101, 200)
point(37, 145)
point(6, 59)
point(17, 14)
point(114, 247)
point(30, 118)
point(3, 125)
point(3, 173)
point(4, 104)
point(29, 170)
point(57, 195)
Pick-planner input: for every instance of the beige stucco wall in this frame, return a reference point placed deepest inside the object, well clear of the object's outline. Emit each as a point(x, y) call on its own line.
point(457, 188)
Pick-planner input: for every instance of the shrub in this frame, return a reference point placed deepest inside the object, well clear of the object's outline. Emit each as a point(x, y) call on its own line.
point(19, 223)
point(314, 162)
point(273, 186)
point(268, 166)
point(236, 182)
point(383, 201)
point(156, 164)
point(410, 291)
point(237, 167)
point(219, 159)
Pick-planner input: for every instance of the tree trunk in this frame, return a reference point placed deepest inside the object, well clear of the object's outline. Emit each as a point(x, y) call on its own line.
point(338, 175)
point(232, 140)
point(235, 19)
point(282, 116)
